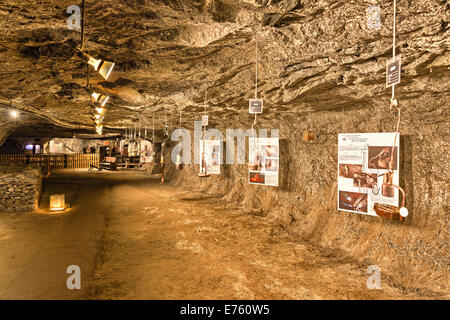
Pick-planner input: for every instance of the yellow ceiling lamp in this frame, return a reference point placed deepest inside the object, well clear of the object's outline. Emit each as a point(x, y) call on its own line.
point(99, 117)
point(100, 98)
point(103, 67)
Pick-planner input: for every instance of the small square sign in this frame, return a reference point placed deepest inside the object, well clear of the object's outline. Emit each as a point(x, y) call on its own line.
point(255, 106)
point(393, 71)
point(205, 120)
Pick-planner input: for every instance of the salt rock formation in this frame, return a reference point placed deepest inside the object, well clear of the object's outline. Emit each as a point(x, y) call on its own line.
point(320, 66)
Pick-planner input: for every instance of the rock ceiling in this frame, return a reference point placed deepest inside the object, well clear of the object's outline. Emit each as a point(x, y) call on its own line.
point(314, 55)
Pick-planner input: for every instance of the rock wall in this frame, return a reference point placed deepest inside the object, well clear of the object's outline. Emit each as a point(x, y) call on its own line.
point(413, 254)
point(20, 188)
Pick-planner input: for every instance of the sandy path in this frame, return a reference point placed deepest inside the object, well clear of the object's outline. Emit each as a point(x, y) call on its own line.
point(143, 240)
point(165, 243)
point(36, 249)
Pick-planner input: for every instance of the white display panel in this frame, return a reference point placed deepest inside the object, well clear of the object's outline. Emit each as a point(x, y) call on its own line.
point(362, 159)
point(264, 161)
point(205, 119)
point(255, 106)
point(210, 156)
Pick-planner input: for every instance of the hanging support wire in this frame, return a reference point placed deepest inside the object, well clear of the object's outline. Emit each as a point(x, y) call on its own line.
point(83, 19)
point(255, 122)
point(153, 127)
point(166, 126)
point(83, 15)
point(394, 101)
point(393, 47)
point(204, 103)
point(139, 126)
point(206, 112)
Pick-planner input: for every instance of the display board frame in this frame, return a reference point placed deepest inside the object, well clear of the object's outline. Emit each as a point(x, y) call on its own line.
point(264, 161)
point(213, 156)
point(363, 158)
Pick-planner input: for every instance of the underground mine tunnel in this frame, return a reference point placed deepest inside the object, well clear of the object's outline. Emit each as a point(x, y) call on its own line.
point(224, 149)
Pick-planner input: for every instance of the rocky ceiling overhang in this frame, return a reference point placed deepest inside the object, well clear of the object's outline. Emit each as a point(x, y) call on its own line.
point(314, 55)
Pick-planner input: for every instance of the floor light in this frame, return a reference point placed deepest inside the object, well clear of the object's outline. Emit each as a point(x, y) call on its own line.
point(57, 202)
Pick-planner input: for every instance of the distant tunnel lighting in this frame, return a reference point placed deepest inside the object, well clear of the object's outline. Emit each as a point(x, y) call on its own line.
point(100, 98)
point(13, 114)
point(98, 117)
point(100, 110)
point(99, 129)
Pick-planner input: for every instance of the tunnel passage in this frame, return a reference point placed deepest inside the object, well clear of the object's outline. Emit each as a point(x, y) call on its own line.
point(338, 117)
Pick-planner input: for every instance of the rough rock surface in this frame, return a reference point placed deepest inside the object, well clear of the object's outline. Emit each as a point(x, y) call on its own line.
point(319, 67)
point(313, 55)
point(20, 188)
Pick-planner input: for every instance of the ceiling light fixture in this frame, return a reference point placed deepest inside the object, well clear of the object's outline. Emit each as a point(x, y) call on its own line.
point(103, 67)
point(100, 98)
point(99, 117)
point(100, 110)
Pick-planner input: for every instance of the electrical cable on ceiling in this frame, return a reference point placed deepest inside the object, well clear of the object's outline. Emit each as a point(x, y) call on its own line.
point(83, 16)
point(393, 45)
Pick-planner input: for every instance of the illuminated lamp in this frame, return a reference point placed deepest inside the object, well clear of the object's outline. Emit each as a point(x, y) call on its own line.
point(106, 69)
point(103, 67)
point(13, 114)
point(57, 202)
point(98, 97)
point(100, 110)
point(99, 117)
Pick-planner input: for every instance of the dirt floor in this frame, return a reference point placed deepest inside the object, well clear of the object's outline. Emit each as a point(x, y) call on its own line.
point(134, 238)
